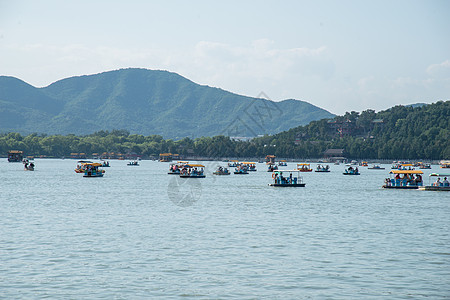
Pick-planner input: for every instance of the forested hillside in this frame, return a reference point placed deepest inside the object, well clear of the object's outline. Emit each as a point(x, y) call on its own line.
point(401, 132)
point(144, 102)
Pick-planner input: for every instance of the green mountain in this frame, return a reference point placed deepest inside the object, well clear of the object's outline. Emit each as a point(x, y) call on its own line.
point(144, 102)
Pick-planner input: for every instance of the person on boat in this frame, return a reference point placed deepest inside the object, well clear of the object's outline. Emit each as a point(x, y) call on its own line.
point(356, 170)
point(397, 176)
point(418, 179)
point(438, 182)
point(445, 182)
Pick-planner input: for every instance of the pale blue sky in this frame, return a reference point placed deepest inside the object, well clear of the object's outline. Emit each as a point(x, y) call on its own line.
point(339, 55)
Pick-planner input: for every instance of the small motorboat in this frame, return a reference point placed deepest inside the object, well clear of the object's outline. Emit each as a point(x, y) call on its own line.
point(92, 170)
point(322, 169)
point(133, 163)
point(221, 171)
point(375, 167)
point(193, 171)
point(351, 171)
point(291, 181)
point(404, 179)
point(438, 185)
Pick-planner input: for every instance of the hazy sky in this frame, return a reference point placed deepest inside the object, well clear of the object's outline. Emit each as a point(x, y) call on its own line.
point(339, 55)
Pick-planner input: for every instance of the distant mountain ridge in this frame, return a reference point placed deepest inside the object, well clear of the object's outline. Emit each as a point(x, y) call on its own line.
point(145, 102)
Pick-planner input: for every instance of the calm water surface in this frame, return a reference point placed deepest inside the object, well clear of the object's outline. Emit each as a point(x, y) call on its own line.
point(140, 233)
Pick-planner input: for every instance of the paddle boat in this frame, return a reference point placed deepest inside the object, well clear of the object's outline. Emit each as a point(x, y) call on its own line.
point(15, 156)
point(241, 169)
point(375, 167)
point(282, 163)
point(291, 181)
point(404, 179)
point(322, 169)
point(251, 166)
point(92, 170)
point(221, 171)
point(351, 171)
point(81, 166)
point(445, 164)
point(233, 163)
point(272, 167)
point(133, 163)
point(364, 164)
point(438, 185)
point(193, 171)
point(304, 167)
point(422, 165)
point(28, 166)
point(175, 169)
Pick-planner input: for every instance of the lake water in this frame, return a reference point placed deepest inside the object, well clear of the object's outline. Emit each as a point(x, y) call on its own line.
point(140, 233)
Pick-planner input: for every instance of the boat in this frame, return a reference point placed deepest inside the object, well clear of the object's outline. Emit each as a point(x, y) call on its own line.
point(272, 167)
point(292, 181)
point(133, 163)
point(282, 163)
point(233, 163)
point(193, 171)
point(221, 171)
point(81, 165)
point(92, 170)
point(251, 166)
point(438, 185)
point(322, 169)
point(376, 167)
point(364, 164)
point(445, 164)
point(304, 167)
point(175, 169)
point(351, 171)
point(28, 166)
point(422, 165)
point(241, 169)
point(15, 156)
point(407, 181)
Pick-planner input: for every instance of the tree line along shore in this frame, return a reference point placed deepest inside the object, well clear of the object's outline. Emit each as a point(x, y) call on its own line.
point(406, 132)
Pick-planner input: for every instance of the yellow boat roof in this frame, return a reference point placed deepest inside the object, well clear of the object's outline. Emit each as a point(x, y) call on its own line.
point(92, 164)
point(195, 166)
point(407, 165)
point(303, 164)
point(406, 172)
point(248, 163)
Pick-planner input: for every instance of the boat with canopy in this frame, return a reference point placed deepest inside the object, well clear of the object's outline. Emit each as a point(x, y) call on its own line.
point(293, 180)
point(438, 185)
point(193, 171)
point(404, 179)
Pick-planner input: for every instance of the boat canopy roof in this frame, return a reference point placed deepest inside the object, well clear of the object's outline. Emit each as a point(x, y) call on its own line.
point(182, 162)
point(248, 163)
point(406, 172)
point(195, 166)
point(440, 174)
point(281, 171)
point(303, 164)
point(93, 164)
point(407, 165)
point(84, 161)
